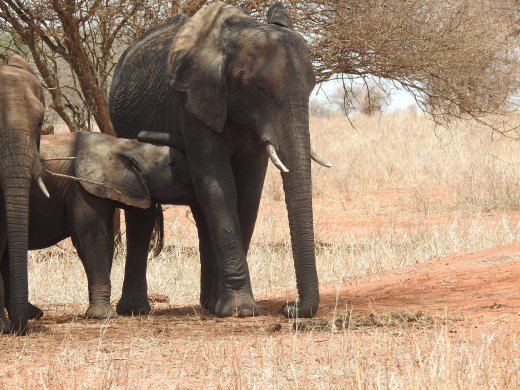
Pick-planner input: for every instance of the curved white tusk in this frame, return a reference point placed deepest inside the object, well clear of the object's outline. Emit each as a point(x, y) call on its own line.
point(319, 160)
point(275, 159)
point(43, 189)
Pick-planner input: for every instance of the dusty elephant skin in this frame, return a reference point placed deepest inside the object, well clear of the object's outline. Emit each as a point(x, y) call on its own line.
point(21, 118)
point(112, 173)
point(223, 86)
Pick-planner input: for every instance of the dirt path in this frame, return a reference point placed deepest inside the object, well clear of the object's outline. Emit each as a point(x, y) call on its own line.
point(181, 346)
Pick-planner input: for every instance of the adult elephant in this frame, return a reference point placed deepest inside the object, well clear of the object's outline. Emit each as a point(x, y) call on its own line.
point(229, 91)
point(21, 118)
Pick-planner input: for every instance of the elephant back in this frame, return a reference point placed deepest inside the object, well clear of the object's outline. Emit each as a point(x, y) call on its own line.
point(140, 95)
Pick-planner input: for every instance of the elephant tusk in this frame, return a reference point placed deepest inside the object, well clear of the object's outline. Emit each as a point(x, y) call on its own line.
point(43, 189)
point(58, 158)
point(320, 160)
point(275, 159)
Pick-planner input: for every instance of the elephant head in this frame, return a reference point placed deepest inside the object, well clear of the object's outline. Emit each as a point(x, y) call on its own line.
point(131, 172)
point(21, 118)
point(235, 69)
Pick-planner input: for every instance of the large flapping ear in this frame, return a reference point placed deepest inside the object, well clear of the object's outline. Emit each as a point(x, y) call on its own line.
point(110, 171)
point(276, 14)
point(197, 60)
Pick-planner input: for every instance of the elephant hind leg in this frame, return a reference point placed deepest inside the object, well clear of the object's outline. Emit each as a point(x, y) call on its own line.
point(139, 227)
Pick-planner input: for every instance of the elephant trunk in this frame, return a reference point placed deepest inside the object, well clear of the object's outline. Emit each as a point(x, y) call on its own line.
point(19, 165)
point(16, 187)
point(295, 151)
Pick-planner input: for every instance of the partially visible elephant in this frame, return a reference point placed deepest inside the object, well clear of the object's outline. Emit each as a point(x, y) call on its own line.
point(110, 173)
point(21, 117)
point(231, 92)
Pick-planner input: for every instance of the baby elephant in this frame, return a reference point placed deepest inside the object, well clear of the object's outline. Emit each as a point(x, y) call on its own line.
point(112, 172)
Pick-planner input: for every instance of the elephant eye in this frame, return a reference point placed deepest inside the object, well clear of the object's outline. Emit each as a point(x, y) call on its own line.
point(262, 89)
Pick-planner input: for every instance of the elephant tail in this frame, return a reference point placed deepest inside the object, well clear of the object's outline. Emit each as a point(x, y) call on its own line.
point(157, 241)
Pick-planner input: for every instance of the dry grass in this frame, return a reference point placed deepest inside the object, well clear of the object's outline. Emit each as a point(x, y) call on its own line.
point(381, 357)
point(399, 193)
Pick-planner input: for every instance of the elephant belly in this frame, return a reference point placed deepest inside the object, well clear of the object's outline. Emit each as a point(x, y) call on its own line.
point(47, 226)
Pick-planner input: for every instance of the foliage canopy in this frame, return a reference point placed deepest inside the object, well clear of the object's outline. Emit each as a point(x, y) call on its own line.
point(459, 58)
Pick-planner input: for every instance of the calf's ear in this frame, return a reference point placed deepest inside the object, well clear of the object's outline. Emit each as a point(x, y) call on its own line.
point(112, 174)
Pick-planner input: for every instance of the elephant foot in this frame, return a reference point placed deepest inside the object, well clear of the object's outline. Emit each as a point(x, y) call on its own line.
point(35, 313)
point(209, 301)
point(100, 311)
point(296, 310)
point(5, 324)
point(236, 303)
point(209, 295)
point(211, 306)
point(130, 305)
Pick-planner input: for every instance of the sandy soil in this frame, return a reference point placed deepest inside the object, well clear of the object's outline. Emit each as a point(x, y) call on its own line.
point(182, 346)
point(473, 293)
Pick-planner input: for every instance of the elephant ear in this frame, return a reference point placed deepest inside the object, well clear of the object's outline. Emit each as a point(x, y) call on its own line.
point(276, 14)
point(17, 61)
point(196, 64)
point(112, 173)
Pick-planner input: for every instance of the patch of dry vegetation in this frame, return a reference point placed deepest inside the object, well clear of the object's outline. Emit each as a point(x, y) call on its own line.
point(155, 357)
point(399, 192)
point(399, 319)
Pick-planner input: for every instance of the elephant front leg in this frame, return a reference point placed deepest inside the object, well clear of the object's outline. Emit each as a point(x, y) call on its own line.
point(139, 228)
point(250, 183)
point(235, 295)
point(217, 198)
point(93, 238)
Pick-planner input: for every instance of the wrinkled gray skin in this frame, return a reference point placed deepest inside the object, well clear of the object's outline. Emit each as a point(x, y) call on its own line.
point(224, 86)
point(21, 117)
point(117, 173)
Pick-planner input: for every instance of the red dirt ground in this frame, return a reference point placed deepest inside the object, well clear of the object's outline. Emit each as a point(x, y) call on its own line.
point(480, 290)
point(478, 285)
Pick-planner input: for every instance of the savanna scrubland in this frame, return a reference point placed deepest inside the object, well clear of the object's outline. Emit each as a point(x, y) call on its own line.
point(407, 298)
point(416, 225)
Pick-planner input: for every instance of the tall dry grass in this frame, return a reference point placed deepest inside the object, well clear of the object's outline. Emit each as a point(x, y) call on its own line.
point(400, 192)
point(415, 192)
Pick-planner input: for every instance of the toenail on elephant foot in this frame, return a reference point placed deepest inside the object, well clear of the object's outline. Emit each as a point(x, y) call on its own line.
point(35, 313)
point(133, 307)
point(100, 311)
point(236, 304)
